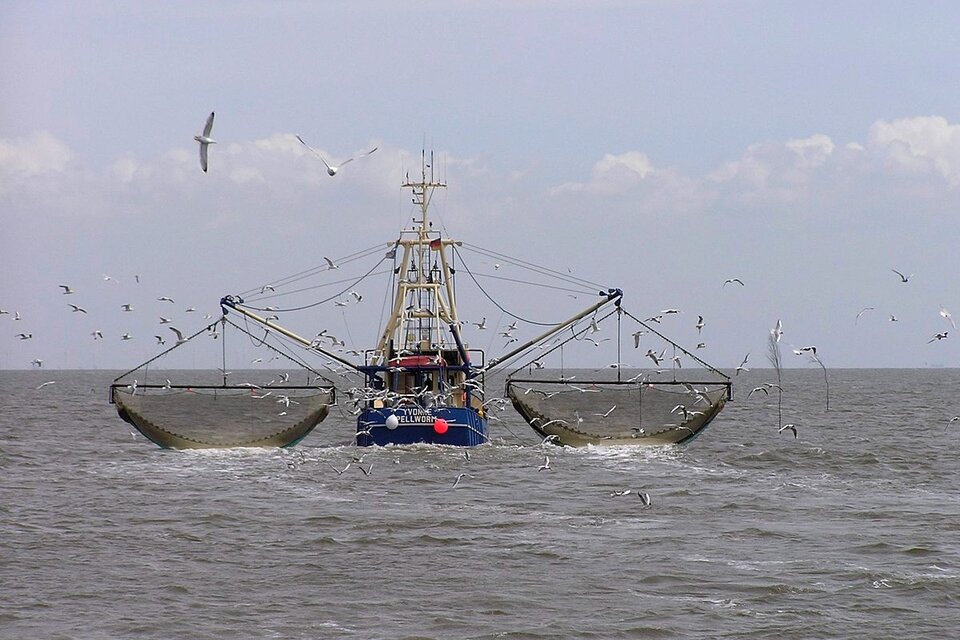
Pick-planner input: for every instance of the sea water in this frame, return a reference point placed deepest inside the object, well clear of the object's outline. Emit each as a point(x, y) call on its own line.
point(850, 530)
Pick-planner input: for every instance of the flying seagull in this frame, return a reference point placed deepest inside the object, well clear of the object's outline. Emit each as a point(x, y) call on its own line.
point(66, 289)
point(789, 427)
point(862, 311)
point(205, 140)
point(903, 278)
point(938, 336)
point(331, 169)
point(946, 314)
point(730, 280)
point(76, 308)
point(180, 338)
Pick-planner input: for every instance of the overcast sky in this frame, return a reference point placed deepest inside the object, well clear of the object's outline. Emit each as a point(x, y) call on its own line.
point(806, 148)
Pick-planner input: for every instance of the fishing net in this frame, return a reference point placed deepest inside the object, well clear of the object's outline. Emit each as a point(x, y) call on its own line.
point(191, 417)
point(620, 403)
point(213, 408)
point(613, 413)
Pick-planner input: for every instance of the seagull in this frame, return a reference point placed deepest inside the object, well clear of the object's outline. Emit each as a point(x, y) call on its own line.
point(165, 299)
point(76, 308)
point(127, 307)
point(165, 320)
point(946, 314)
point(356, 295)
point(644, 498)
point(903, 278)
point(459, 478)
point(126, 336)
point(331, 169)
point(811, 348)
point(952, 420)
point(546, 464)
point(482, 325)
point(790, 427)
point(609, 411)
point(617, 494)
point(331, 263)
point(636, 339)
point(938, 336)
point(893, 318)
point(340, 471)
point(37, 362)
point(777, 331)
point(24, 336)
point(97, 334)
point(756, 389)
point(700, 324)
point(862, 311)
point(160, 340)
point(49, 382)
point(205, 140)
point(731, 280)
point(66, 289)
point(552, 437)
point(180, 338)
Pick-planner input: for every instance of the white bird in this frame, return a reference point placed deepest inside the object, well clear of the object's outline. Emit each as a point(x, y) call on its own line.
point(165, 320)
point(777, 331)
point(862, 311)
point(700, 324)
point(644, 498)
point(66, 289)
point(938, 336)
point(946, 314)
point(331, 263)
point(636, 339)
point(97, 334)
point(741, 367)
point(356, 295)
point(731, 280)
point(76, 308)
point(180, 338)
point(482, 325)
point(37, 362)
point(608, 412)
point(903, 278)
point(24, 336)
point(127, 307)
point(49, 382)
point(790, 427)
point(160, 340)
point(165, 299)
point(205, 141)
point(459, 478)
point(331, 169)
point(545, 465)
point(126, 336)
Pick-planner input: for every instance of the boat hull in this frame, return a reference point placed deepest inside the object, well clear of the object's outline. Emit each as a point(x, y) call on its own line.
point(454, 426)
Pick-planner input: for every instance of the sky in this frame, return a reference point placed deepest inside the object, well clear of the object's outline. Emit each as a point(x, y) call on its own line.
point(662, 147)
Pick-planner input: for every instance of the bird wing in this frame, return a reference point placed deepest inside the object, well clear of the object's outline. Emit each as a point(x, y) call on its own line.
point(203, 156)
point(208, 127)
point(314, 152)
point(178, 332)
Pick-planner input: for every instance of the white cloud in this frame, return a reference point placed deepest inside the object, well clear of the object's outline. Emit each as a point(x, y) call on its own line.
point(23, 158)
point(916, 144)
point(612, 174)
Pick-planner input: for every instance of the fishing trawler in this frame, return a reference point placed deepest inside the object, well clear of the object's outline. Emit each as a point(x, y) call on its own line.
point(421, 382)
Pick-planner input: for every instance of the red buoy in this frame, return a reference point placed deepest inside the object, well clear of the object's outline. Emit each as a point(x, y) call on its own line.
point(440, 426)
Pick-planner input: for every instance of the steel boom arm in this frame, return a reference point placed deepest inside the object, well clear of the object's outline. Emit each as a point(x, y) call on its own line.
point(232, 302)
point(610, 295)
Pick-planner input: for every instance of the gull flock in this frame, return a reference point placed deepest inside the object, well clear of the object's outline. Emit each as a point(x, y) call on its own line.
point(23, 332)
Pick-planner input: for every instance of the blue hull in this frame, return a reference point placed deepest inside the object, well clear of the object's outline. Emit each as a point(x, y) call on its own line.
point(465, 427)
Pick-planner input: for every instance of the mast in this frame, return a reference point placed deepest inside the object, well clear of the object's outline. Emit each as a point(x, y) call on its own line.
point(424, 316)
